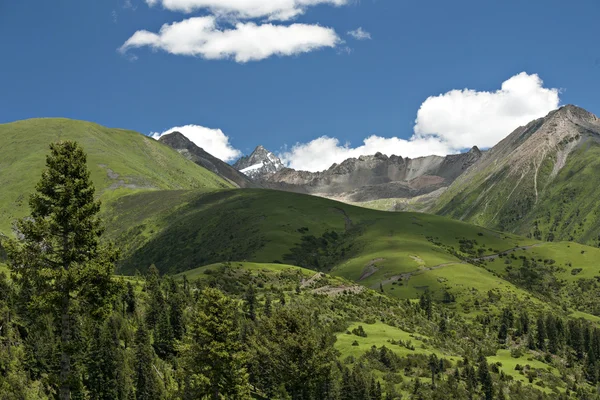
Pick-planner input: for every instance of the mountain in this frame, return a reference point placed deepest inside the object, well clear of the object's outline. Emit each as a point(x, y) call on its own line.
point(372, 178)
point(121, 162)
point(541, 181)
point(189, 150)
point(259, 165)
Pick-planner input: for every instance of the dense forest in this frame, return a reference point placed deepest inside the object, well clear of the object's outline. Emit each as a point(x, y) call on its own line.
point(70, 329)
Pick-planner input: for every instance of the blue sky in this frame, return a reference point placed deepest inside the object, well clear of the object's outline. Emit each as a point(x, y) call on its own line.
point(62, 58)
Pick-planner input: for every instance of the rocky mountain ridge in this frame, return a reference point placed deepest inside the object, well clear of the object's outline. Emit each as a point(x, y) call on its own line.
point(259, 165)
point(363, 179)
point(541, 180)
point(192, 152)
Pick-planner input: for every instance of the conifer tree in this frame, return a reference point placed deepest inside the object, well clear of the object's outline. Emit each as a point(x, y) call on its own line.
point(485, 378)
point(268, 306)
point(129, 299)
point(147, 384)
point(107, 375)
point(212, 355)
point(541, 334)
point(58, 253)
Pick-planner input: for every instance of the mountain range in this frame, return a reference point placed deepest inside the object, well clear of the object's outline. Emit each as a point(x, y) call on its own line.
point(539, 181)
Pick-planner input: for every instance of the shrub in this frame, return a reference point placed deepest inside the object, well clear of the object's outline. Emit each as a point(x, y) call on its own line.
point(359, 331)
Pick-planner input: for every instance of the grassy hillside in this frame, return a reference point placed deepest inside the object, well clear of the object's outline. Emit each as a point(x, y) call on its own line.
point(180, 230)
point(120, 162)
point(403, 254)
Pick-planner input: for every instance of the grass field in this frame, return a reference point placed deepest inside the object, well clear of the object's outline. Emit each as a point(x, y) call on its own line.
point(567, 255)
point(120, 162)
point(380, 334)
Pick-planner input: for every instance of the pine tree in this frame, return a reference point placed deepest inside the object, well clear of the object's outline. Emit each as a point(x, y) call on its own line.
point(164, 340)
point(176, 306)
point(552, 334)
point(129, 299)
point(433, 367)
point(523, 323)
point(485, 378)
point(59, 254)
point(107, 375)
point(425, 303)
point(541, 334)
point(443, 327)
point(156, 299)
point(147, 385)
point(268, 306)
point(211, 355)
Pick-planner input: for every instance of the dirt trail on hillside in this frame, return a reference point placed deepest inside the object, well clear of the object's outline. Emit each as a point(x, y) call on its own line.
point(370, 268)
point(347, 220)
point(406, 276)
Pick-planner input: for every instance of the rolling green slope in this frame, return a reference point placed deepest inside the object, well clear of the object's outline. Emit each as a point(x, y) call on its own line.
point(541, 181)
point(181, 230)
point(120, 162)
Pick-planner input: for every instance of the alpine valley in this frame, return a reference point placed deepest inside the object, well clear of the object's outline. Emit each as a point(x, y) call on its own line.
point(135, 268)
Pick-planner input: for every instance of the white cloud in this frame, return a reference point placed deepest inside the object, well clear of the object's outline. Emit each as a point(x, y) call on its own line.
point(445, 124)
point(202, 37)
point(360, 34)
point(321, 153)
point(213, 141)
point(467, 117)
point(246, 9)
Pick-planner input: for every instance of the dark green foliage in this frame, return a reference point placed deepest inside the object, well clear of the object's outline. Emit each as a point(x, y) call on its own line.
point(107, 369)
point(292, 350)
point(59, 256)
point(320, 253)
point(485, 379)
point(360, 331)
point(211, 353)
point(146, 380)
point(426, 303)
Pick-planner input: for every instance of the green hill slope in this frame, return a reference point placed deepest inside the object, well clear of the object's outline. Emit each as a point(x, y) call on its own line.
point(120, 162)
point(404, 254)
point(541, 181)
point(180, 230)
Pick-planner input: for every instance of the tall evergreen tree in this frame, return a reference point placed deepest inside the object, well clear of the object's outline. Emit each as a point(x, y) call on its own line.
point(147, 385)
point(541, 334)
point(485, 378)
point(59, 254)
point(211, 355)
point(107, 375)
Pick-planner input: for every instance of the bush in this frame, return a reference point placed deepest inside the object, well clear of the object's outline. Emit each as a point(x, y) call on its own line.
point(355, 343)
point(359, 332)
point(516, 352)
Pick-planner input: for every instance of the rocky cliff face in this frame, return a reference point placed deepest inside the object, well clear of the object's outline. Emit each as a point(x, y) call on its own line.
point(259, 165)
point(362, 179)
point(189, 150)
point(542, 180)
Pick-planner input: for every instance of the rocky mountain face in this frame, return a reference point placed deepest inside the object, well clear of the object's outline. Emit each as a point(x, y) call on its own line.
point(259, 165)
point(189, 150)
point(364, 179)
point(542, 180)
